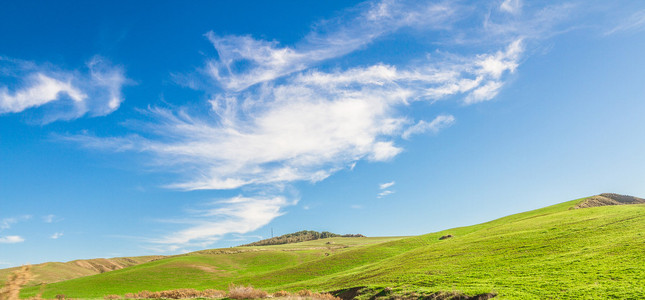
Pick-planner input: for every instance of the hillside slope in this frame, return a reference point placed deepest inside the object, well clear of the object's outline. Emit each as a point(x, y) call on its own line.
point(553, 252)
point(587, 253)
point(50, 272)
point(215, 268)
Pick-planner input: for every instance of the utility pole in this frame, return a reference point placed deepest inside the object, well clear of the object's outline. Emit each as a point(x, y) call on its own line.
point(271, 232)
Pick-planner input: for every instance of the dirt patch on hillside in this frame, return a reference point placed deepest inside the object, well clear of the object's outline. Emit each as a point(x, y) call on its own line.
point(608, 199)
point(208, 269)
point(100, 265)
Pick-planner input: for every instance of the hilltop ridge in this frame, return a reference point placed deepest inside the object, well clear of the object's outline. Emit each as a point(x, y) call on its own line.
point(605, 199)
point(297, 237)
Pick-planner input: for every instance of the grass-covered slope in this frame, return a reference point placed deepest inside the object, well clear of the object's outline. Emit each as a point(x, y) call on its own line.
point(215, 268)
point(587, 253)
point(553, 252)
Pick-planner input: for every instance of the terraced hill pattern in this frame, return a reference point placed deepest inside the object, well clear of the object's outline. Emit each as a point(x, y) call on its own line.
point(586, 248)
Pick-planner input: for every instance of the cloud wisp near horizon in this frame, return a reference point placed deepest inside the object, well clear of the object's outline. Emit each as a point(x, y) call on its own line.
point(278, 116)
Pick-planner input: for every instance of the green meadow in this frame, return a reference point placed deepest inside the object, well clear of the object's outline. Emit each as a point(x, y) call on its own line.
point(553, 252)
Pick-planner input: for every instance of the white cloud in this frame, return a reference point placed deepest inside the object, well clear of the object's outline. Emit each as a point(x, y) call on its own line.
point(438, 123)
point(386, 185)
point(11, 239)
point(56, 235)
point(235, 215)
point(63, 95)
point(43, 89)
point(309, 126)
point(356, 206)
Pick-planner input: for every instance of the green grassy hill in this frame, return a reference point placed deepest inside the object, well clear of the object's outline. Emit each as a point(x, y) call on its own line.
point(553, 252)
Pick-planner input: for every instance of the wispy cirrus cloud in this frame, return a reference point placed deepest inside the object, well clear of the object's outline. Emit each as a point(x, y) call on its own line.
point(51, 218)
point(511, 6)
point(434, 126)
point(61, 95)
point(635, 22)
point(244, 61)
point(6, 223)
point(278, 115)
point(56, 235)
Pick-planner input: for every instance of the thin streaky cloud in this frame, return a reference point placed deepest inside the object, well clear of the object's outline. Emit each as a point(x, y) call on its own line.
point(386, 185)
point(384, 193)
point(434, 126)
point(56, 235)
point(635, 22)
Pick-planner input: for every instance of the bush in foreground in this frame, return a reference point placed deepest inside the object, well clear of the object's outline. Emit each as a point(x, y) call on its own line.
point(245, 292)
point(171, 294)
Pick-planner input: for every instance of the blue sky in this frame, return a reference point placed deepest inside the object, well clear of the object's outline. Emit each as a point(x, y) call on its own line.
point(134, 129)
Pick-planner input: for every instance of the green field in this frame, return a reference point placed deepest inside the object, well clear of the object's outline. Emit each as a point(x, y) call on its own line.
point(553, 252)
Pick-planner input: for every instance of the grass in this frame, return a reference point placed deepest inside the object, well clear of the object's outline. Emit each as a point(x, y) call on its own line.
point(551, 252)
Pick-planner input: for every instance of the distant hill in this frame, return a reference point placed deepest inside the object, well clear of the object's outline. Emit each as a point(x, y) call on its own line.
point(50, 272)
point(297, 237)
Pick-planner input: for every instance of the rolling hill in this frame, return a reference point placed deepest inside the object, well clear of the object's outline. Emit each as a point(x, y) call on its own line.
point(58, 271)
point(553, 252)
